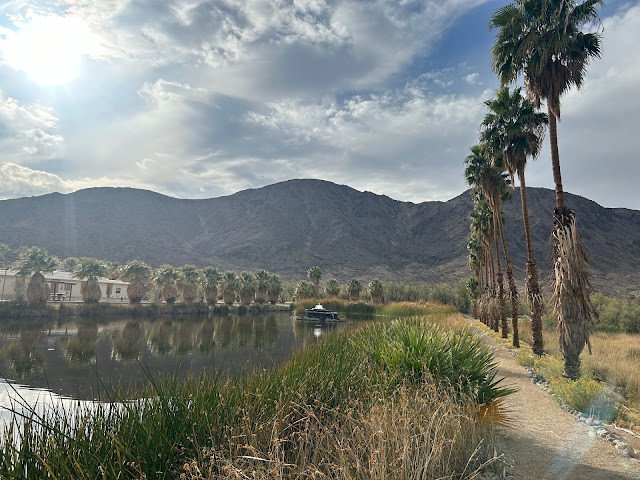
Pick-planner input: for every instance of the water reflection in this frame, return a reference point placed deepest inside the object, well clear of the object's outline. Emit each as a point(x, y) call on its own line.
point(68, 357)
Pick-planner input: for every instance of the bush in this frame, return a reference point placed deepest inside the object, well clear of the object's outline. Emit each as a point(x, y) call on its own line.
point(587, 396)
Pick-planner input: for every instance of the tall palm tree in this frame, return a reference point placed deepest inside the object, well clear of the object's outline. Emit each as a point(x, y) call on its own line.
point(37, 261)
point(274, 288)
point(262, 282)
point(304, 290)
point(375, 290)
point(488, 179)
point(513, 127)
point(544, 41)
point(90, 269)
point(209, 279)
point(247, 287)
point(315, 274)
point(332, 289)
point(354, 287)
point(188, 278)
point(229, 286)
point(165, 277)
point(137, 273)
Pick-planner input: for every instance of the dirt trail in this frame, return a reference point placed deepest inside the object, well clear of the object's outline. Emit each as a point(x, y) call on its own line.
point(545, 441)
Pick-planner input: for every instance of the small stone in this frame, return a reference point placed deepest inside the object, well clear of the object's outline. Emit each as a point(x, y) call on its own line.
point(589, 421)
point(601, 432)
point(620, 446)
point(592, 433)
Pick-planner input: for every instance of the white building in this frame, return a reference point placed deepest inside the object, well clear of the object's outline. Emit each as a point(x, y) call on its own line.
point(64, 287)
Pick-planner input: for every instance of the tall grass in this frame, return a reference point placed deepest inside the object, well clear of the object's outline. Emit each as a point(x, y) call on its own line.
point(332, 406)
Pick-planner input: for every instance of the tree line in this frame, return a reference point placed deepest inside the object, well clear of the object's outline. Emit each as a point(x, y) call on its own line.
point(544, 42)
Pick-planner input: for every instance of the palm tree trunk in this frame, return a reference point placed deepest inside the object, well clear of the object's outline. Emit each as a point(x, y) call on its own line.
point(513, 292)
point(532, 288)
point(571, 267)
point(500, 279)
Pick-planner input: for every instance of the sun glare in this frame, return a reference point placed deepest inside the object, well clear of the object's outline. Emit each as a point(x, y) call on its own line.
point(48, 49)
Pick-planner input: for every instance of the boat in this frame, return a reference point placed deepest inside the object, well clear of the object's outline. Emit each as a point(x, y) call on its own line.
point(319, 314)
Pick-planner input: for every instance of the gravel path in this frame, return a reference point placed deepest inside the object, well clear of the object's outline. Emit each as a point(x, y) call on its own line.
point(545, 441)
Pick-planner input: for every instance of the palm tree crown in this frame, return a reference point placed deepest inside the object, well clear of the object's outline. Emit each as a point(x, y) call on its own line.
point(35, 260)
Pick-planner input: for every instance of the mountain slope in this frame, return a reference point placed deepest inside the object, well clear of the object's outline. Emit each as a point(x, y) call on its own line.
point(290, 226)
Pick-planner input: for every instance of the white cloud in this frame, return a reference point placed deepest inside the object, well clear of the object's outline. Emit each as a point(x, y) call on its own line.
point(472, 78)
point(27, 133)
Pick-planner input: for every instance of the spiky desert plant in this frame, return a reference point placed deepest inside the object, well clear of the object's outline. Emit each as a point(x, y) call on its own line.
point(304, 290)
point(332, 289)
point(89, 269)
point(188, 277)
point(315, 274)
point(165, 277)
point(354, 287)
point(247, 287)
point(274, 288)
point(209, 279)
point(137, 274)
point(376, 290)
point(229, 285)
point(262, 282)
point(37, 261)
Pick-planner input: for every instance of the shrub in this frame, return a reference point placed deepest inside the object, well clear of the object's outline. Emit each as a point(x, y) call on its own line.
point(586, 396)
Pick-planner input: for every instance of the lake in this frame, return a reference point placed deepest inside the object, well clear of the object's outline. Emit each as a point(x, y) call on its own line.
point(77, 359)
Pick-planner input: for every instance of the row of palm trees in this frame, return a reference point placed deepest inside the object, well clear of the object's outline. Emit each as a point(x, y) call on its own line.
point(311, 289)
point(260, 286)
point(543, 41)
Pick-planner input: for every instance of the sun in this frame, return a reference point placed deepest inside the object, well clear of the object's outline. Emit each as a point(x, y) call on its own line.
point(47, 49)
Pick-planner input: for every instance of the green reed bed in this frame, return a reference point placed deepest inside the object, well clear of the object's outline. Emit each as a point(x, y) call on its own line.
point(334, 407)
point(392, 310)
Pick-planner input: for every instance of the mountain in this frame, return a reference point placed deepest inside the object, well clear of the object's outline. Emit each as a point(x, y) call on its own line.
point(290, 226)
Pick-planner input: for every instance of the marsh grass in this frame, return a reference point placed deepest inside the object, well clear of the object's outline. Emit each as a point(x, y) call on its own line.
point(389, 310)
point(332, 405)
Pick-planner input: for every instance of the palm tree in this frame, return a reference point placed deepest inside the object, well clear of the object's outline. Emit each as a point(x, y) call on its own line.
point(91, 269)
point(354, 287)
point(188, 277)
point(332, 289)
point(305, 290)
point(314, 275)
point(165, 277)
point(4, 249)
point(482, 226)
point(209, 279)
point(262, 281)
point(376, 289)
point(37, 261)
point(113, 270)
point(513, 127)
point(274, 288)
point(488, 179)
point(247, 287)
point(543, 40)
point(137, 274)
point(229, 286)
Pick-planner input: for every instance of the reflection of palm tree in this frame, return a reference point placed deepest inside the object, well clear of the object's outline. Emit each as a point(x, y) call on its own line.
point(161, 337)
point(271, 330)
point(91, 269)
point(185, 338)
point(83, 347)
point(131, 344)
point(207, 335)
point(244, 329)
point(226, 330)
point(22, 355)
point(37, 261)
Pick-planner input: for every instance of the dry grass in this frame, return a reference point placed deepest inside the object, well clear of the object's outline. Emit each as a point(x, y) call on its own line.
point(414, 433)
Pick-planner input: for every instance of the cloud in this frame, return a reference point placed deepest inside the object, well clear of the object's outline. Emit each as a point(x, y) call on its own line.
point(472, 78)
point(27, 133)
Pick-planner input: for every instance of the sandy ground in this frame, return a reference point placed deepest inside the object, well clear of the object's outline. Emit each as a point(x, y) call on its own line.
point(546, 442)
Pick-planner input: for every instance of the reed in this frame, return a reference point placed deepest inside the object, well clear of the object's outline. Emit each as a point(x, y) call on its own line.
point(299, 414)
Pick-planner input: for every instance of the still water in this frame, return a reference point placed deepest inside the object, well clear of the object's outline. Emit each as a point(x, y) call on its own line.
point(78, 359)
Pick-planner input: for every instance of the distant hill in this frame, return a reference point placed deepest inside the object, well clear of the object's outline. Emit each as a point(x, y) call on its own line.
point(290, 226)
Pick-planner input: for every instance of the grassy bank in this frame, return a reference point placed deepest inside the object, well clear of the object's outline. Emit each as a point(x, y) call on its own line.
point(391, 310)
point(396, 400)
point(15, 310)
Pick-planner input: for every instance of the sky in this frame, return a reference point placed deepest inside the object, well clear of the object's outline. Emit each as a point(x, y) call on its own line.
point(198, 99)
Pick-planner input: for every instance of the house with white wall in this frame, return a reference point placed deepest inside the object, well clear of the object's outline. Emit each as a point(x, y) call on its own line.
point(63, 285)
